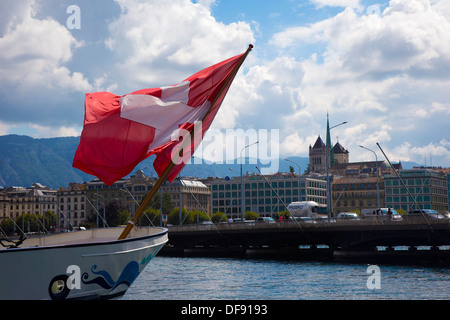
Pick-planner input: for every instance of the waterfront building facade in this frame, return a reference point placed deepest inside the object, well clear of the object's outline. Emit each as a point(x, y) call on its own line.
point(128, 193)
point(265, 198)
point(352, 194)
point(4, 205)
point(192, 192)
point(71, 206)
point(37, 199)
point(427, 187)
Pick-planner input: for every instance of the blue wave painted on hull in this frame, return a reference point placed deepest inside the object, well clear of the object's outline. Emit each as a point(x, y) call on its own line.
point(127, 277)
point(144, 261)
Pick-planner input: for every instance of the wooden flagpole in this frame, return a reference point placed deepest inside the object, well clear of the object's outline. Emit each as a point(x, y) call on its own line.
point(171, 164)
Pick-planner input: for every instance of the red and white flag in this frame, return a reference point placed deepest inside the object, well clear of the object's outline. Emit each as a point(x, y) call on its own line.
point(121, 131)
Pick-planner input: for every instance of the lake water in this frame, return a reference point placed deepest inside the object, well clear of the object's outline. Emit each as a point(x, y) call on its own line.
point(169, 278)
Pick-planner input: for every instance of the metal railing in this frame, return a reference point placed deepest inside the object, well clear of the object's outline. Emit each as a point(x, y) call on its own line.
point(317, 223)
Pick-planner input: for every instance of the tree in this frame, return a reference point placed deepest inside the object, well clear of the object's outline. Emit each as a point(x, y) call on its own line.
point(250, 215)
point(202, 216)
point(167, 205)
point(112, 211)
point(50, 220)
point(150, 217)
point(174, 217)
point(7, 226)
point(218, 217)
point(123, 217)
point(187, 217)
point(29, 223)
point(307, 170)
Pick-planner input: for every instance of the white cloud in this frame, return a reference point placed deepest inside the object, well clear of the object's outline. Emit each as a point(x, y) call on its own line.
point(35, 83)
point(153, 39)
point(430, 154)
point(383, 73)
point(261, 97)
point(50, 131)
point(386, 72)
point(4, 128)
point(409, 36)
point(152, 43)
point(337, 3)
point(34, 52)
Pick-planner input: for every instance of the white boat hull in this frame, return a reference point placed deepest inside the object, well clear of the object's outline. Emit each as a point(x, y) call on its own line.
point(89, 264)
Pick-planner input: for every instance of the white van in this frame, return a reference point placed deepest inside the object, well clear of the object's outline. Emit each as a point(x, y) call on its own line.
point(388, 212)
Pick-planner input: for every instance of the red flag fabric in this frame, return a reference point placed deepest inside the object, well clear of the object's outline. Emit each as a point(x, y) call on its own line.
point(121, 131)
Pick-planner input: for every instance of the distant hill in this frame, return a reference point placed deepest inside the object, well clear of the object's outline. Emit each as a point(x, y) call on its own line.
point(25, 160)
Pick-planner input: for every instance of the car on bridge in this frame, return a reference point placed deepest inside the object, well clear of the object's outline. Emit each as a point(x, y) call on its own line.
point(381, 214)
point(433, 214)
point(348, 216)
point(265, 220)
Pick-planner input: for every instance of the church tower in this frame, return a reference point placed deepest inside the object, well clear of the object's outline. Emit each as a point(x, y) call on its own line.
point(318, 154)
point(341, 155)
point(317, 157)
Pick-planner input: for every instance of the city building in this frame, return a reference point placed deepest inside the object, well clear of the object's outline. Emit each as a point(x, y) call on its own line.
point(71, 208)
point(193, 194)
point(428, 189)
point(128, 193)
point(4, 205)
point(357, 193)
point(36, 199)
point(354, 169)
point(99, 195)
point(264, 198)
point(318, 156)
point(341, 155)
point(444, 171)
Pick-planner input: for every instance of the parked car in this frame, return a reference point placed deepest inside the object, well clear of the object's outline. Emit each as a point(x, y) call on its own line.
point(265, 220)
point(305, 219)
point(433, 214)
point(348, 216)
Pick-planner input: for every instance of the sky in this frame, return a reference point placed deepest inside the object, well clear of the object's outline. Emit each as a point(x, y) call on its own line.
point(381, 66)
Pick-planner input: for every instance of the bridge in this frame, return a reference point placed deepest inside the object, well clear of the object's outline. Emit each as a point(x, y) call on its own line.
point(413, 237)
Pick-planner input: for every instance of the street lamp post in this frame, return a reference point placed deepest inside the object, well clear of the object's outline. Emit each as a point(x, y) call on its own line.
point(328, 168)
point(376, 163)
point(242, 183)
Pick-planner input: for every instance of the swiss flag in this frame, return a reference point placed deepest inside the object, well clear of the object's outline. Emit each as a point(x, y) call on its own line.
point(121, 131)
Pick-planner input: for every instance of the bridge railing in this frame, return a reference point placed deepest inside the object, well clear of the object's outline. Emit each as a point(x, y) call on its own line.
point(319, 223)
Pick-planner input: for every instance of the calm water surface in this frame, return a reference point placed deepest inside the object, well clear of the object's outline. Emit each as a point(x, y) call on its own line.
point(168, 278)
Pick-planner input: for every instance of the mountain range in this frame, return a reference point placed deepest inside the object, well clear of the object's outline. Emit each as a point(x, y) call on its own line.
point(25, 160)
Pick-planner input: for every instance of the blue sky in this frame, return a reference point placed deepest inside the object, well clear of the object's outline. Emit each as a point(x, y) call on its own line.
point(382, 66)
